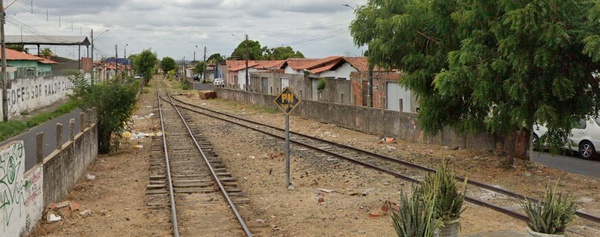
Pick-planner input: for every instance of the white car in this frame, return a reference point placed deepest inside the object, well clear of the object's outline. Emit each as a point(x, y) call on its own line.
point(584, 139)
point(218, 82)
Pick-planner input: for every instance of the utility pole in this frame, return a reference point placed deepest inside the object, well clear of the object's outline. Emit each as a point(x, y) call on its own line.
point(247, 56)
point(116, 59)
point(204, 69)
point(4, 74)
point(92, 72)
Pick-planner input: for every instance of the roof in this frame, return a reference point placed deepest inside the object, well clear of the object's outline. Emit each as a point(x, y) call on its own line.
point(14, 55)
point(236, 65)
point(47, 40)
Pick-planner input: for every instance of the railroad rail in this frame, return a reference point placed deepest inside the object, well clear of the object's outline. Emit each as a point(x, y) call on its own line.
point(191, 180)
point(389, 165)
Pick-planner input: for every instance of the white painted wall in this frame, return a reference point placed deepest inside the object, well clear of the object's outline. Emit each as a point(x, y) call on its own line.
point(21, 195)
point(28, 94)
point(344, 71)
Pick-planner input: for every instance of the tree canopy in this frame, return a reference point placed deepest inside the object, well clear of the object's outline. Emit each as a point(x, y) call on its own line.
point(167, 64)
point(215, 58)
point(255, 50)
point(500, 66)
point(144, 63)
point(282, 53)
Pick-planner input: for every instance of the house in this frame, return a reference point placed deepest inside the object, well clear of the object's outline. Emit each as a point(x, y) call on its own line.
point(22, 65)
point(236, 71)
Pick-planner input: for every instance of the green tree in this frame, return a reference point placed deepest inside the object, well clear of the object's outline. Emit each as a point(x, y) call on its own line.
point(255, 51)
point(215, 58)
point(114, 102)
point(282, 53)
point(17, 47)
point(167, 64)
point(500, 66)
point(145, 64)
point(199, 68)
point(46, 53)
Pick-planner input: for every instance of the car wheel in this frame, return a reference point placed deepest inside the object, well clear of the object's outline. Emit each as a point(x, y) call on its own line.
point(587, 150)
point(535, 142)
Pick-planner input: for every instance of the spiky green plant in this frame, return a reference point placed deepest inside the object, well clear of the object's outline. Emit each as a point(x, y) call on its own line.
point(442, 184)
point(551, 215)
point(415, 217)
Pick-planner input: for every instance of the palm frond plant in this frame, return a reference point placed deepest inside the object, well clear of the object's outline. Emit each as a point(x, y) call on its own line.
point(552, 214)
point(449, 200)
point(415, 217)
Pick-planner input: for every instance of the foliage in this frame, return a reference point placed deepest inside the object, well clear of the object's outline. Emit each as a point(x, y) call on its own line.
point(282, 53)
point(167, 64)
point(145, 64)
point(215, 58)
point(442, 184)
point(114, 100)
point(321, 84)
point(199, 68)
point(11, 128)
point(17, 47)
point(254, 50)
point(551, 215)
point(46, 53)
point(499, 66)
point(415, 217)
point(171, 75)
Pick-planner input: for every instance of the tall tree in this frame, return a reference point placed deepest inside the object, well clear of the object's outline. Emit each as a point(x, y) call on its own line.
point(46, 53)
point(282, 53)
point(215, 58)
point(167, 64)
point(500, 66)
point(145, 63)
point(255, 51)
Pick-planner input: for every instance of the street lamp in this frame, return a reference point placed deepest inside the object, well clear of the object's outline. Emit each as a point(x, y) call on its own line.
point(247, 56)
point(92, 73)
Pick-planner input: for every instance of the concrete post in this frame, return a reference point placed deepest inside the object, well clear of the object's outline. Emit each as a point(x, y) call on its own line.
point(39, 145)
point(81, 122)
point(59, 129)
point(71, 129)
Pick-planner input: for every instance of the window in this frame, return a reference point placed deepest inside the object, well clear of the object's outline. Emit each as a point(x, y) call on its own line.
point(581, 124)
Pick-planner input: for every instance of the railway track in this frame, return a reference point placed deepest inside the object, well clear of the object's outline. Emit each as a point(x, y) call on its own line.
point(497, 199)
point(190, 180)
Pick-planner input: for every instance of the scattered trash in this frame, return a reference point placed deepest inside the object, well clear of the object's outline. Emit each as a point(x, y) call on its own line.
point(90, 177)
point(137, 147)
point(51, 218)
point(85, 213)
point(325, 190)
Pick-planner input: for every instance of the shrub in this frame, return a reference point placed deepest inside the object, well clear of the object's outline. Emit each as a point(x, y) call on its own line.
point(551, 215)
point(442, 184)
point(321, 84)
point(416, 215)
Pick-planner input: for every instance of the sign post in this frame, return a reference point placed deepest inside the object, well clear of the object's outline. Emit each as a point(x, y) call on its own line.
point(287, 101)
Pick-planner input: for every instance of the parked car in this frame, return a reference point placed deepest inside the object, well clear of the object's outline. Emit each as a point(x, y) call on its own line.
point(218, 82)
point(584, 138)
point(197, 77)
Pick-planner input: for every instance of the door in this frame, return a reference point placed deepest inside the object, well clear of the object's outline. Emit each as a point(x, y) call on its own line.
point(315, 91)
point(398, 98)
point(265, 85)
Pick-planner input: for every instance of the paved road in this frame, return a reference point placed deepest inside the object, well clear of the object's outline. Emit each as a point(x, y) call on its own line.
point(201, 86)
point(49, 129)
point(569, 164)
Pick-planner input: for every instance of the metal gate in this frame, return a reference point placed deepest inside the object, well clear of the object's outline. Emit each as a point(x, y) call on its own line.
point(398, 98)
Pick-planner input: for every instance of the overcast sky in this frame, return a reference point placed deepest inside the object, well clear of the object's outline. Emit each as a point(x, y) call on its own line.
point(178, 28)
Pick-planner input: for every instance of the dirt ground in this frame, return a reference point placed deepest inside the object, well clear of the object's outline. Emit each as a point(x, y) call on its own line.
point(331, 198)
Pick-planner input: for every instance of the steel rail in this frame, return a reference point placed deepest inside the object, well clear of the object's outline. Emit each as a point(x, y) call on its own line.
point(579, 213)
point(214, 175)
point(170, 180)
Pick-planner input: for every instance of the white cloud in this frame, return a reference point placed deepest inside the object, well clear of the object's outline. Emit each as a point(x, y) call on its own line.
point(317, 28)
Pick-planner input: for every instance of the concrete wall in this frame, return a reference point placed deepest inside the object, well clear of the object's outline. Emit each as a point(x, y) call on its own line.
point(28, 94)
point(403, 126)
point(20, 192)
point(25, 194)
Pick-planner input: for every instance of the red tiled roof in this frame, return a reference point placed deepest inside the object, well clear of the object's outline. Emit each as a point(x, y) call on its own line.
point(236, 65)
point(360, 63)
point(301, 63)
point(16, 55)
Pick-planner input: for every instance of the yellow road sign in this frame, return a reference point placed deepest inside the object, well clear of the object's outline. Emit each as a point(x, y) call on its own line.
point(287, 100)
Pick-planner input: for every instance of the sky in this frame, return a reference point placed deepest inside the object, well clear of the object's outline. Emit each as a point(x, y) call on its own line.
point(182, 28)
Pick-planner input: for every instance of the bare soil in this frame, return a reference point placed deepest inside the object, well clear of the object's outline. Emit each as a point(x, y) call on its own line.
point(331, 198)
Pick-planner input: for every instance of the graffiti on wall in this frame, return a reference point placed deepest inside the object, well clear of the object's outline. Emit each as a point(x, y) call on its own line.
point(12, 187)
point(27, 94)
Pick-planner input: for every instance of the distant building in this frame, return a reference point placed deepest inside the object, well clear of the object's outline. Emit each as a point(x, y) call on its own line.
point(22, 65)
